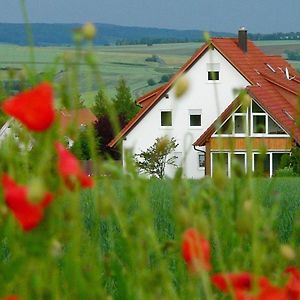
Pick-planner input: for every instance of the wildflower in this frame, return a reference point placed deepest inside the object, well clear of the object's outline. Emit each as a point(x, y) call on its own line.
point(69, 169)
point(11, 297)
point(243, 283)
point(196, 250)
point(292, 287)
point(235, 280)
point(33, 108)
point(28, 214)
point(89, 31)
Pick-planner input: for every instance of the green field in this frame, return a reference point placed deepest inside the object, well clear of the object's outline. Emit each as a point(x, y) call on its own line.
point(124, 240)
point(115, 62)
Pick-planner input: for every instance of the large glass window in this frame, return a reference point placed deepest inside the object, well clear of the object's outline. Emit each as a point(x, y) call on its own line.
point(267, 164)
point(230, 163)
point(238, 162)
point(236, 124)
point(166, 118)
point(261, 164)
point(259, 124)
point(240, 122)
point(277, 161)
point(273, 128)
point(262, 123)
point(220, 161)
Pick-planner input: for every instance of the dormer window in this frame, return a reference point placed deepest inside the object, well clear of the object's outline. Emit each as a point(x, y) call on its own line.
point(213, 71)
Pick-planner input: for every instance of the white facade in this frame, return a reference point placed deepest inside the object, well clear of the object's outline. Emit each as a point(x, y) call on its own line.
point(208, 97)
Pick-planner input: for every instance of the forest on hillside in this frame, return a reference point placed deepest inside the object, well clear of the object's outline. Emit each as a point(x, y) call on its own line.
point(61, 35)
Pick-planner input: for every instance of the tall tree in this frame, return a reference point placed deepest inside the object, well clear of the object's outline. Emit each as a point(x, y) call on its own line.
point(123, 101)
point(101, 103)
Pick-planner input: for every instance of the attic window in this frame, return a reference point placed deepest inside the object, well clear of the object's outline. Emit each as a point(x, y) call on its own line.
point(213, 71)
point(213, 75)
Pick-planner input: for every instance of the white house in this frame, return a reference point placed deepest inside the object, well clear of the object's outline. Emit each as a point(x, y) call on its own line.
point(216, 74)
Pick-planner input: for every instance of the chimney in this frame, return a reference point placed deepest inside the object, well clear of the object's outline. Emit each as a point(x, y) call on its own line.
point(243, 39)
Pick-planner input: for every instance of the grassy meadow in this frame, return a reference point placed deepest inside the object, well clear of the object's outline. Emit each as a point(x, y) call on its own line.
point(124, 239)
point(115, 62)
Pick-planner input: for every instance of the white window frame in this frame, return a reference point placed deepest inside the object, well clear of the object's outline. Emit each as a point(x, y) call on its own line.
point(213, 67)
point(229, 159)
point(245, 114)
point(194, 112)
point(270, 153)
point(267, 116)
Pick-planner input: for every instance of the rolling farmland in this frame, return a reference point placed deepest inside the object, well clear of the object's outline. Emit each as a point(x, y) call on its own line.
point(115, 62)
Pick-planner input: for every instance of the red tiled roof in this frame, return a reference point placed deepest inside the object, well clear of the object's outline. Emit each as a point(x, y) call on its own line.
point(270, 86)
point(78, 117)
point(279, 107)
point(267, 75)
point(145, 98)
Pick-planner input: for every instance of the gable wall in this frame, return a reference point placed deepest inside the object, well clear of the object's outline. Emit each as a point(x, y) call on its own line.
point(211, 98)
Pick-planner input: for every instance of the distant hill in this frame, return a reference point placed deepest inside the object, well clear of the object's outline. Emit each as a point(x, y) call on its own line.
point(61, 34)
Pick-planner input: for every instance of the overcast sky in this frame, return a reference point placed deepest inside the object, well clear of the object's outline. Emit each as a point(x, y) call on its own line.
point(215, 15)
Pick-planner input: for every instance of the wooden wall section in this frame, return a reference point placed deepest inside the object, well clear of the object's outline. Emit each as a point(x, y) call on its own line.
point(239, 144)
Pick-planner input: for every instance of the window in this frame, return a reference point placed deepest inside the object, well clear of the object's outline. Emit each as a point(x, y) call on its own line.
point(236, 124)
point(277, 159)
point(238, 161)
point(166, 118)
point(201, 160)
point(267, 164)
point(220, 161)
point(230, 163)
point(273, 128)
point(213, 75)
point(213, 71)
point(259, 124)
point(195, 117)
point(262, 123)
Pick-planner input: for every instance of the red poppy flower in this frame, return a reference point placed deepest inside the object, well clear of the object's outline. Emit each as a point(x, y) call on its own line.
point(11, 297)
point(242, 284)
point(28, 214)
point(241, 281)
point(292, 287)
point(33, 108)
point(69, 169)
point(196, 250)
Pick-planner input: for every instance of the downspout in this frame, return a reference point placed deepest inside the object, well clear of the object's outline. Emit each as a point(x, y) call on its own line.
point(199, 149)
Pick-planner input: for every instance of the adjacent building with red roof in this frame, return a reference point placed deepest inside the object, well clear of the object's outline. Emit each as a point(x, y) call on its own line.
point(239, 102)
